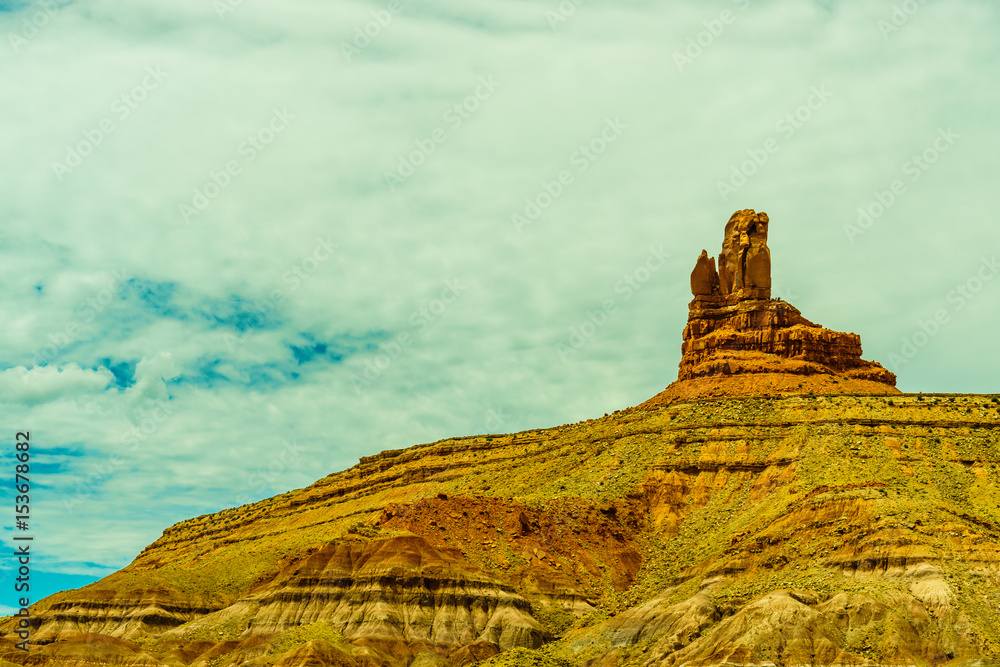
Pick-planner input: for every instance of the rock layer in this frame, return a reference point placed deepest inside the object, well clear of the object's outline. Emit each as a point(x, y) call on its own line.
point(398, 596)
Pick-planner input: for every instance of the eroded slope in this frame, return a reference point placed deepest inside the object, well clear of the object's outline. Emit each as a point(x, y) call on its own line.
point(795, 530)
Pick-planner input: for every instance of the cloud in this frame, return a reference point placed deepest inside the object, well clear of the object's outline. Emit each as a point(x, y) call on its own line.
point(150, 374)
point(47, 383)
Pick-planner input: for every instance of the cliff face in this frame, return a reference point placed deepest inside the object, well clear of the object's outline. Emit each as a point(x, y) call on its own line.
point(754, 528)
point(739, 341)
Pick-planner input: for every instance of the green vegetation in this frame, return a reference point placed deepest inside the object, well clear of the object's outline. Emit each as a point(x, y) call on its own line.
point(522, 657)
point(554, 619)
point(297, 636)
point(292, 638)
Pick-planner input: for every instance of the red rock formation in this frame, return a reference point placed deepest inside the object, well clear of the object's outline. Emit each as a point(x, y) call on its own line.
point(735, 329)
point(745, 261)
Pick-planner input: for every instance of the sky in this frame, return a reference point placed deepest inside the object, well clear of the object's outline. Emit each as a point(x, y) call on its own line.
point(245, 242)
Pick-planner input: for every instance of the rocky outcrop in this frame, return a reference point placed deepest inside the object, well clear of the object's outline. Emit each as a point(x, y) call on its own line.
point(739, 341)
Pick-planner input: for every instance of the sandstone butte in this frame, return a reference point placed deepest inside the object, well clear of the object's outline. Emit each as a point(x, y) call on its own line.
point(780, 504)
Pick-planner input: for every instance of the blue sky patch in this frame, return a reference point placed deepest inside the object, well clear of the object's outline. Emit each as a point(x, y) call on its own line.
point(337, 349)
point(124, 372)
point(173, 301)
point(61, 451)
point(308, 351)
point(240, 314)
point(157, 296)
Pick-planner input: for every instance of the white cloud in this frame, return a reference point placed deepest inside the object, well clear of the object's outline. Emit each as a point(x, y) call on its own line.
point(42, 384)
point(150, 374)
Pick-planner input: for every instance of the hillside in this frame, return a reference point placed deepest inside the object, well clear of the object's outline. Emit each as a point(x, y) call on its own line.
point(796, 530)
point(781, 503)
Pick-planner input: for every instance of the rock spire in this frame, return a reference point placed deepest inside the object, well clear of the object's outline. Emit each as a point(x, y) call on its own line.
point(740, 341)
